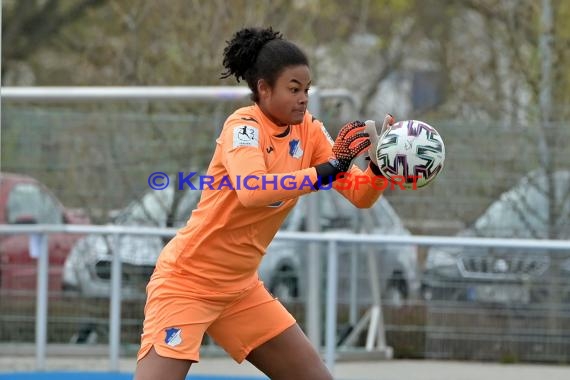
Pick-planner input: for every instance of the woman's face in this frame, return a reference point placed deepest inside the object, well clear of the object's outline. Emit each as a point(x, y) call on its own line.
point(286, 102)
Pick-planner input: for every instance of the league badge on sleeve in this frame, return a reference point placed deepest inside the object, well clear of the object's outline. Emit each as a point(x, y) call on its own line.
point(246, 135)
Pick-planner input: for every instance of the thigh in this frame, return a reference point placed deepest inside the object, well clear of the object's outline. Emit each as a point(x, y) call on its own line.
point(155, 367)
point(289, 355)
point(176, 321)
point(251, 320)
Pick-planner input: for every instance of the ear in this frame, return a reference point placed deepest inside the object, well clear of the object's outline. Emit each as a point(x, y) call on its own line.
point(263, 88)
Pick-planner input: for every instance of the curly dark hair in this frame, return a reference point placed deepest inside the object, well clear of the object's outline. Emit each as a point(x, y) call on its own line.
point(260, 53)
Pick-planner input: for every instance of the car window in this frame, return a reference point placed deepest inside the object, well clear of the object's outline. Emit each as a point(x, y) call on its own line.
point(336, 211)
point(384, 216)
point(522, 212)
point(151, 210)
point(154, 208)
point(28, 203)
point(339, 213)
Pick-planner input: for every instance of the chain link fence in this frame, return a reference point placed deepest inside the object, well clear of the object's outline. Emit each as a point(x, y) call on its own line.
point(97, 157)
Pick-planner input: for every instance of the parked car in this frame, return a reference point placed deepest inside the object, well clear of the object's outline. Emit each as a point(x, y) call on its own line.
point(282, 269)
point(501, 275)
point(87, 270)
point(24, 200)
point(397, 265)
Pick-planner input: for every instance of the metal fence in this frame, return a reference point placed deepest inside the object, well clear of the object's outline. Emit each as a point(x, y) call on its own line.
point(95, 148)
point(71, 138)
point(39, 240)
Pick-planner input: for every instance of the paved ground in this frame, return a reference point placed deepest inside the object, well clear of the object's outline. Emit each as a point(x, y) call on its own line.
point(376, 370)
point(379, 370)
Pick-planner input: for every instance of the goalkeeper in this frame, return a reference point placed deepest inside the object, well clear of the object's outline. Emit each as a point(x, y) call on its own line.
point(206, 278)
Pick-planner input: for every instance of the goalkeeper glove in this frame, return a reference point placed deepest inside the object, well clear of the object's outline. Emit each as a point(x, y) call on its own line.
point(351, 141)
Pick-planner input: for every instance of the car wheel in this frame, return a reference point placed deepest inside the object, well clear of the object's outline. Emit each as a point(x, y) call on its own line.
point(284, 285)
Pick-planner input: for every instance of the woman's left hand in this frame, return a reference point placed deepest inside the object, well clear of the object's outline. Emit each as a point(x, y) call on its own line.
point(374, 137)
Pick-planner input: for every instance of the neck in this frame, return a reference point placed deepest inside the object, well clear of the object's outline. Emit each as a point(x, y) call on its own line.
point(271, 118)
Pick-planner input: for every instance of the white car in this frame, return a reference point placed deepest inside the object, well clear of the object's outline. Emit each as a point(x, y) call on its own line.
point(397, 264)
point(508, 276)
point(87, 269)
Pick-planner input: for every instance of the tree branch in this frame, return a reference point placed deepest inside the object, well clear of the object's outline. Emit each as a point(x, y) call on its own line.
point(34, 26)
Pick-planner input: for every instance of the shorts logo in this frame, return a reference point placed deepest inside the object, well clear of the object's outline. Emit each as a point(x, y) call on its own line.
point(173, 336)
point(295, 150)
point(246, 136)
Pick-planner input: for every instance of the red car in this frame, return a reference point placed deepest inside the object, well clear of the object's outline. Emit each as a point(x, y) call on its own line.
point(24, 200)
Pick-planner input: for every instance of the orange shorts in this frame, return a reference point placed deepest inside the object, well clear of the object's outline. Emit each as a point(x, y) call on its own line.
point(176, 318)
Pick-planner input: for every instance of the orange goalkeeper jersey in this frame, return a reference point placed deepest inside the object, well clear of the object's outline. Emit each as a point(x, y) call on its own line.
point(259, 169)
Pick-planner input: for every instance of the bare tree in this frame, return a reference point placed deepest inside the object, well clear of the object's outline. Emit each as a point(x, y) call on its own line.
point(31, 24)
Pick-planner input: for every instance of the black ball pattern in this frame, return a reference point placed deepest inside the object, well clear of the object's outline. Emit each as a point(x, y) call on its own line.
point(350, 143)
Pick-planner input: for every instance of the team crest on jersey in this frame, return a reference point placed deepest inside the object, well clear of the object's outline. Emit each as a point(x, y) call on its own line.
point(173, 336)
point(328, 136)
point(295, 150)
point(246, 135)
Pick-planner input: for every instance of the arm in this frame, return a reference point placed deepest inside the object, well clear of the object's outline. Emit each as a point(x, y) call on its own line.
point(361, 188)
point(244, 162)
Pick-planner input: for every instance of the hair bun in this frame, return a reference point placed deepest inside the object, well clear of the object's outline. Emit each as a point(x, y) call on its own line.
point(242, 50)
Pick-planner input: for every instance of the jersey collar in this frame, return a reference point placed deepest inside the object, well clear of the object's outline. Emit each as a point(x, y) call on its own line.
point(276, 130)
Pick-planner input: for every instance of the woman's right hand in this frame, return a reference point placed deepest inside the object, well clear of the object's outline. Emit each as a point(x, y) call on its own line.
point(351, 142)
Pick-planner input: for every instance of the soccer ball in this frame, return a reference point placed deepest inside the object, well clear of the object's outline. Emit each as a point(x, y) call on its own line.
point(410, 153)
